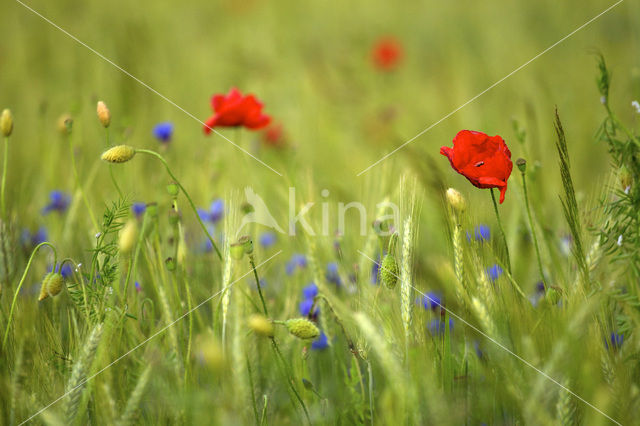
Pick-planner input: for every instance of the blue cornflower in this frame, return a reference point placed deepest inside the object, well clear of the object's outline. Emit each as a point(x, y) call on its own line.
point(321, 342)
point(30, 240)
point(493, 272)
point(310, 291)
point(267, 239)
point(431, 301)
point(615, 340)
point(437, 326)
point(138, 287)
point(216, 210)
point(66, 271)
point(296, 261)
point(58, 201)
point(305, 308)
point(163, 131)
point(482, 233)
point(138, 209)
point(332, 274)
point(203, 214)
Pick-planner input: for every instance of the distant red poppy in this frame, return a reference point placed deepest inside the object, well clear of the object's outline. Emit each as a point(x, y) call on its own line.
point(387, 53)
point(274, 136)
point(484, 160)
point(234, 109)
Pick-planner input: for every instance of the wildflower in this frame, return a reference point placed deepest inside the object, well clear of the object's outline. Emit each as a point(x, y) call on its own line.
point(296, 261)
point(234, 110)
point(216, 210)
point(321, 342)
point(30, 240)
point(305, 308)
point(66, 270)
point(332, 274)
point(103, 114)
point(431, 301)
point(302, 328)
point(6, 123)
point(484, 160)
point(138, 209)
point(58, 201)
point(636, 106)
point(437, 326)
point(118, 154)
point(310, 291)
point(267, 239)
point(138, 287)
point(273, 135)
point(51, 285)
point(387, 54)
point(494, 272)
point(163, 131)
point(456, 200)
point(482, 233)
point(615, 340)
point(261, 325)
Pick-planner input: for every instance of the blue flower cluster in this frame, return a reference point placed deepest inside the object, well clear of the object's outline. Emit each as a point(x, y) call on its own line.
point(297, 261)
point(58, 201)
point(214, 213)
point(481, 233)
point(29, 240)
point(138, 209)
point(267, 239)
point(163, 131)
point(494, 272)
point(332, 275)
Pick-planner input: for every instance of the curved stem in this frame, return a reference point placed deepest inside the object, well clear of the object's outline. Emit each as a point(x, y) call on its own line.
point(24, 276)
point(504, 236)
point(255, 274)
point(533, 230)
point(186, 194)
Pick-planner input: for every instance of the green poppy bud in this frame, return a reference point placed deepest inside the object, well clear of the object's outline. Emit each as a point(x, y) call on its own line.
point(260, 325)
point(522, 164)
point(389, 271)
point(6, 123)
point(173, 189)
point(302, 328)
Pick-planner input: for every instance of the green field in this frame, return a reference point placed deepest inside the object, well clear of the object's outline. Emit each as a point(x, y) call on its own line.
point(177, 272)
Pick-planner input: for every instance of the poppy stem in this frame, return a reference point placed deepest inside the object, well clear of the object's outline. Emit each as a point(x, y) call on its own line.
point(533, 230)
point(186, 194)
point(504, 236)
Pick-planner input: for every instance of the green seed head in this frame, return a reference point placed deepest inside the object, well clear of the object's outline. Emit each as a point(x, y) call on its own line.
point(389, 272)
point(302, 328)
point(118, 154)
point(173, 189)
point(522, 164)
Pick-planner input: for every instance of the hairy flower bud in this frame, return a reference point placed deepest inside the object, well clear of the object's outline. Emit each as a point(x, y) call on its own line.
point(261, 325)
point(103, 114)
point(302, 328)
point(118, 154)
point(173, 189)
point(389, 271)
point(522, 164)
point(128, 237)
point(6, 123)
point(51, 285)
point(456, 200)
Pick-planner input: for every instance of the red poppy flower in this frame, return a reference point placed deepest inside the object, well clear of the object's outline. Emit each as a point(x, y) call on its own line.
point(484, 160)
point(387, 53)
point(234, 109)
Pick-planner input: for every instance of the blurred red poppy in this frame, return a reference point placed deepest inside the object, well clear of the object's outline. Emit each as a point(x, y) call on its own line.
point(484, 160)
point(234, 109)
point(274, 136)
point(387, 53)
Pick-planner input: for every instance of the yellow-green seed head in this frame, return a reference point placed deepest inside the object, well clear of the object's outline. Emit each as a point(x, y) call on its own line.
point(247, 244)
point(118, 154)
point(260, 325)
point(302, 328)
point(456, 200)
point(389, 271)
point(6, 123)
point(104, 115)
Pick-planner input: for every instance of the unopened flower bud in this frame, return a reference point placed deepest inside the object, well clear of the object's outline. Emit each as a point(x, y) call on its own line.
point(173, 189)
point(6, 123)
point(103, 114)
point(170, 263)
point(261, 325)
point(247, 244)
point(389, 271)
point(118, 154)
point(65, 123)
point(456, 200)
point(128, 237)
point(152, 210)
point(174, 217)
point(51, 285)
point(522, 164)
point(302, 328)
